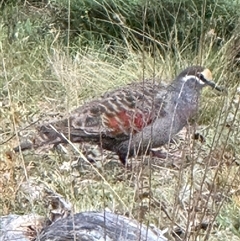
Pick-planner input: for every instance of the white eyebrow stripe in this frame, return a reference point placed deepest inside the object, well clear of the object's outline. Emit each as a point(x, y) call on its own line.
point(188, 77)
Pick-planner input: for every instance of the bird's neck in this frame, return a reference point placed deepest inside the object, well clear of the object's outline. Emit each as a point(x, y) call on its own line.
point(185, 99)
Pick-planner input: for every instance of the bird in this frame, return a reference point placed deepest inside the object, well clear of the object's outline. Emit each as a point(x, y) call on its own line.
point(133, 119)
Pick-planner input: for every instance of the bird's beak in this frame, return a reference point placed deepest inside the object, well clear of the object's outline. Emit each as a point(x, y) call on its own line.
point(214, 86)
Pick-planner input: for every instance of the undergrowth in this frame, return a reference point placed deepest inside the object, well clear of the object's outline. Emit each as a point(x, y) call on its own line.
point(48, 69)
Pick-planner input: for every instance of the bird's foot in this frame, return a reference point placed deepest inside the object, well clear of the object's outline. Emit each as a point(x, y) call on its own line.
point(168, 159)
point(164, 155)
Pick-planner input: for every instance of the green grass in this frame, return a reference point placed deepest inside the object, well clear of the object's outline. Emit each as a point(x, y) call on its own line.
point(43, 77)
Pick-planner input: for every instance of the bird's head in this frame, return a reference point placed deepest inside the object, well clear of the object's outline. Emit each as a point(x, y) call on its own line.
point(200, 75)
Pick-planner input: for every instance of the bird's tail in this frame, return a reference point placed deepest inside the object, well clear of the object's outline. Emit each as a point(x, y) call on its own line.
point(51, 135)
point(45, 136)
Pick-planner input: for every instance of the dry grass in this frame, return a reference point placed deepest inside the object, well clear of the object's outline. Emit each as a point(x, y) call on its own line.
point(197, 193)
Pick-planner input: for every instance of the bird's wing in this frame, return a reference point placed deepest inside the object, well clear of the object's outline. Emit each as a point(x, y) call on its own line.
point(115, 114)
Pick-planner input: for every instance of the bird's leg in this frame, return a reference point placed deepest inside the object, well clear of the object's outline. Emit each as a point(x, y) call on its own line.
point(165, 155)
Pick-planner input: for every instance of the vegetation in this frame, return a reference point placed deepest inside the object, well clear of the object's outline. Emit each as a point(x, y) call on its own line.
point(55, 55)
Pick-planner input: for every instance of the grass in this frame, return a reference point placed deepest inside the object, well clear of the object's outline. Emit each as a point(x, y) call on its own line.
point(43, 79)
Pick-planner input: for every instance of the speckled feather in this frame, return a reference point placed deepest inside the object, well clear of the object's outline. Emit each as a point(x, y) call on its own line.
point(111, 118)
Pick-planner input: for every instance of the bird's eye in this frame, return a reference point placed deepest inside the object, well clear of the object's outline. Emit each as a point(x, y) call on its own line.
point(201, 77)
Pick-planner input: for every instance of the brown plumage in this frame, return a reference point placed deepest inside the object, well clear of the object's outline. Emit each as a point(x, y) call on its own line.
point(133, 118)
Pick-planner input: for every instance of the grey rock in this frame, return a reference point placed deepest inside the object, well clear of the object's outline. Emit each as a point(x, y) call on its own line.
point(99, 226)
point(85, 226)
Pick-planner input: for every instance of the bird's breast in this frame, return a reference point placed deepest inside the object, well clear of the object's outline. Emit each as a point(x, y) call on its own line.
point(187, 107)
